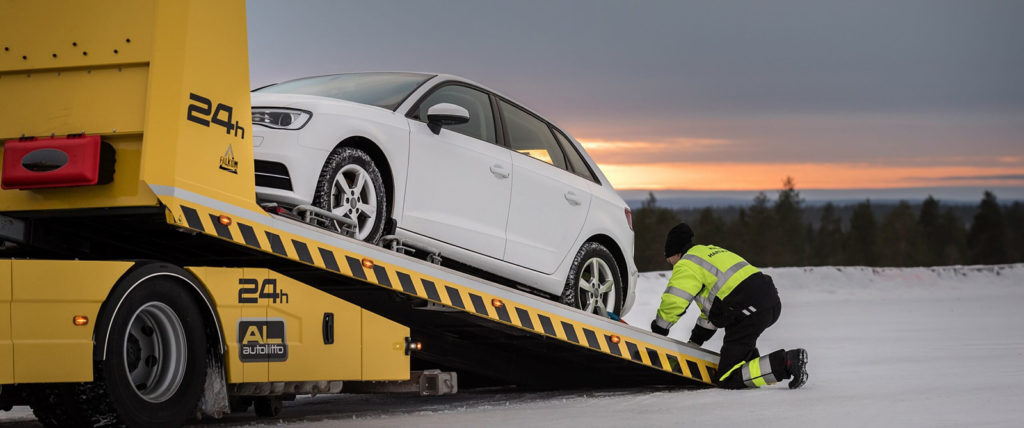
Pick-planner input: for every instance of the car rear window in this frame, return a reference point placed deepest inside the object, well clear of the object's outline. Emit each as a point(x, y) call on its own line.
point(579, 166)
point(385, 90)
point(531, 137)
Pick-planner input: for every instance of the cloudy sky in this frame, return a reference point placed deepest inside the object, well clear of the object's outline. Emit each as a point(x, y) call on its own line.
point(714, 95)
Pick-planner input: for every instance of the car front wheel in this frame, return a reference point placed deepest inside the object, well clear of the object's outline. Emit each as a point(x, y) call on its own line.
point(594, 284)
point(352, 186)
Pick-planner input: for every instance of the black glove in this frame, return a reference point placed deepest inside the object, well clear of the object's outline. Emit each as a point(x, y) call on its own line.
point(658, 329)
point(699, 335)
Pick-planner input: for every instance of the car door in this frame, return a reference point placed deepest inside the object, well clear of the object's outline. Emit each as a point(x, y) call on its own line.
point(549, 204)
point(459, 180)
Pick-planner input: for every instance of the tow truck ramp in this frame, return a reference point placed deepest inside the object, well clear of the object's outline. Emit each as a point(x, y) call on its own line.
point(468, 324)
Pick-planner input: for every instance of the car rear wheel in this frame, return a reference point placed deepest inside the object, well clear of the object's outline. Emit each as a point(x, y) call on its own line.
point(352, 186)
point(594, 284)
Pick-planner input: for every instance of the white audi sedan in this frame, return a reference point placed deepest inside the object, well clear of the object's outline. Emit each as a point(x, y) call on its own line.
point(445, 163)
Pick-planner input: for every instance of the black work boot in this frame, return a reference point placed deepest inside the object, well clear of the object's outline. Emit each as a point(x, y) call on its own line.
point(796, 363)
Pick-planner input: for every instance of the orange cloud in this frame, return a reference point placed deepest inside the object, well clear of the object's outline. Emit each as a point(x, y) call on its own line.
point(646, 151)
point(611, 147)
point(759, 176)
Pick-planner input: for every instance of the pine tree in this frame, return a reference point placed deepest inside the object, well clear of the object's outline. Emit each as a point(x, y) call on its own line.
point(709, 229)
point(650, 224)
point(932, 237)
point(762, 245)
point(828, 242)
point(1015, 232)
point(986, 241)
point(736, 234)
point(862, 241)
point(790, 236)
point(902, 237)
point(954, 251)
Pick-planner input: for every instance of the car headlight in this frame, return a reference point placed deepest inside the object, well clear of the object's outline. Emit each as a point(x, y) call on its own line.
point(280, 118)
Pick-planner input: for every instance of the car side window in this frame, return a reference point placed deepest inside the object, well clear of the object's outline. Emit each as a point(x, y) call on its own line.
point(530, 136)
point(579, 166)
point(481, 117)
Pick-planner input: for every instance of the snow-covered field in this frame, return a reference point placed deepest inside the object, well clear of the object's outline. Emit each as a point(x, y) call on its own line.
point(888, 347)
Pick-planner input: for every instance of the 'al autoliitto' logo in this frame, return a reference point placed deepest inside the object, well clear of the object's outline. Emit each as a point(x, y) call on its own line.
point(262, 340)
point(228, 162)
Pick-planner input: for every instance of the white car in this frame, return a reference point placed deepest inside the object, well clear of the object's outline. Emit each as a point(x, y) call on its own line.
point(443, 162)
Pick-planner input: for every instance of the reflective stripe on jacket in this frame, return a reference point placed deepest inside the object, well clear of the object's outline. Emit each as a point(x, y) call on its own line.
point(702, 274)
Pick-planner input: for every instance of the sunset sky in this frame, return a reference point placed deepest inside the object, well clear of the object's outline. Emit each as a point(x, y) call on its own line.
point(709, 95)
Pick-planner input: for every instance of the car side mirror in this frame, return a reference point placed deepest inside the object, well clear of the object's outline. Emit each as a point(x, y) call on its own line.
point(446, 114)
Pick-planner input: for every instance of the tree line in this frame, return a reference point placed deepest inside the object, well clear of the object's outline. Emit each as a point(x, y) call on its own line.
point(780, 232)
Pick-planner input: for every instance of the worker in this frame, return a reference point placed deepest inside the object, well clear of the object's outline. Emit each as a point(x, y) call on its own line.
point(734, 295)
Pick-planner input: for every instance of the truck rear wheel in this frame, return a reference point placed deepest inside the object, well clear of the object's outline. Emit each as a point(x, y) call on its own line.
point(155, 366)
point(156, 355)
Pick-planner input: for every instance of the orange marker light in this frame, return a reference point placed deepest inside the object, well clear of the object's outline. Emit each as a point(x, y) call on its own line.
point(81, 320)
point(412, 346)
point(367, 263)
point(497, 303)
point(225, 220)
point(615, 339)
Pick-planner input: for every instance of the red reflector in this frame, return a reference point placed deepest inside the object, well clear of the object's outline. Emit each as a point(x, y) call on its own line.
point(57, 162)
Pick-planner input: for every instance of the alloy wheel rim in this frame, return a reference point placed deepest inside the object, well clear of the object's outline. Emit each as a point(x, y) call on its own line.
point(354, 196)
point(596, 287)
point(155, 352)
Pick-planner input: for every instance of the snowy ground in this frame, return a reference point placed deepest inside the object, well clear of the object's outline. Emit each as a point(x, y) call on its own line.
point(888, 347)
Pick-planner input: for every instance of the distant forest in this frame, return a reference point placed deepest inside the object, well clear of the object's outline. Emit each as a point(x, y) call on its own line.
point(784, 232)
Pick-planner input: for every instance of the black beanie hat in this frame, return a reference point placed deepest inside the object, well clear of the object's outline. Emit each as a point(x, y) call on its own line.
point(678, 239)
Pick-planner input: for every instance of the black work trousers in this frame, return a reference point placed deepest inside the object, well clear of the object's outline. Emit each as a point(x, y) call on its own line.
point(739, 349)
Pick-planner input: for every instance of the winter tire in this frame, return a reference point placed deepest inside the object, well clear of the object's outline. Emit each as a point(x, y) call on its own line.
point(156, 355)
point(351, 185)
point(594, 284)
point(154, 371)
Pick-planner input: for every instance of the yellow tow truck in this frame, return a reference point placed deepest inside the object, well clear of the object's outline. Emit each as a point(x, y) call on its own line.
point(142, 284)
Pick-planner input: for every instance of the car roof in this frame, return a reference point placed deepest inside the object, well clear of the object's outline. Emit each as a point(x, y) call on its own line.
point(435, 78)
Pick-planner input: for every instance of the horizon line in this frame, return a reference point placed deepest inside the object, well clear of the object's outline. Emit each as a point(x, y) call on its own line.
point(799, 189)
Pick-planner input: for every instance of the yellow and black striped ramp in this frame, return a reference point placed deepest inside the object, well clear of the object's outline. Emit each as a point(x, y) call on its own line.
point(384, 268)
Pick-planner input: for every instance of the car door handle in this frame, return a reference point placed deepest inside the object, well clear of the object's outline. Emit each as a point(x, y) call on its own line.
point(572, 198)
point(499, 171)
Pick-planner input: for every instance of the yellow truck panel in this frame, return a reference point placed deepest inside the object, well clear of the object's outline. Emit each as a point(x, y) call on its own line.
point(383, 348)
point(302, 309)
point(198, 118)
point(253, 302)
point(40, 343)
point(66, 34)
point(109, 100)
point(252, 371)
point(85, 70)
point(165, 82)
point(6, 347)
point(46, 296)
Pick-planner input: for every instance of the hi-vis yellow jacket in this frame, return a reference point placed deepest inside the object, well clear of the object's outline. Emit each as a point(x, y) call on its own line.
point(702, 274)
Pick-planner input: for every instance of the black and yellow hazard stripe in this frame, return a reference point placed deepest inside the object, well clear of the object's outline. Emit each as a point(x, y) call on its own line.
point(403, 279)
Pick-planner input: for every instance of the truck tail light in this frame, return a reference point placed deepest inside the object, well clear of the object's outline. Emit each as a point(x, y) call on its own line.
point(629, 218)
point(75, 160)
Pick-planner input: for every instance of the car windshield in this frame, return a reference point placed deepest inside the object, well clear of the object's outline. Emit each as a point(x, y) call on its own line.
point(385, 90)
